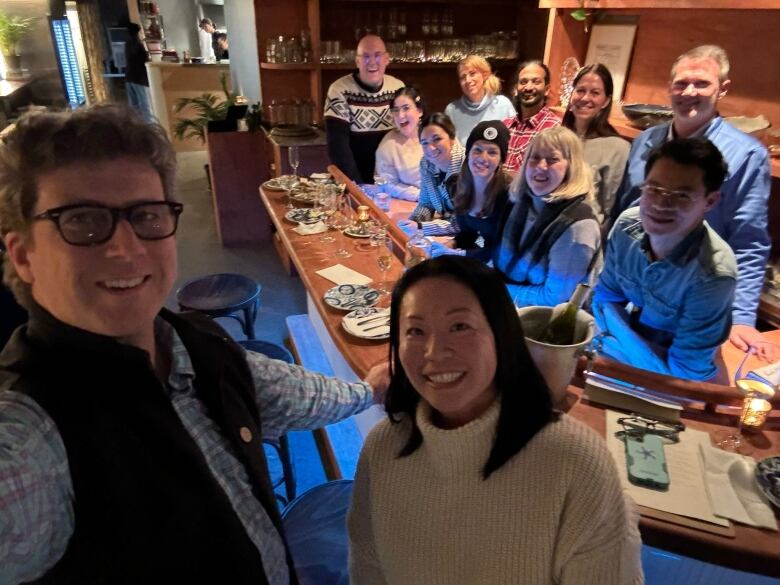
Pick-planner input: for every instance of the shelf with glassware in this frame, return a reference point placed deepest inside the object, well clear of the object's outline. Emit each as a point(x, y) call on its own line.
point(393, 65)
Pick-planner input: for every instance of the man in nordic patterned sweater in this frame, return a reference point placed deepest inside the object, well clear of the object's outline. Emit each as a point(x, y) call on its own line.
point(357, 111)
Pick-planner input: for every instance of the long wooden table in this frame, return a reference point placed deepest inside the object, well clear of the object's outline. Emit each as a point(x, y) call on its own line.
point(750, 549)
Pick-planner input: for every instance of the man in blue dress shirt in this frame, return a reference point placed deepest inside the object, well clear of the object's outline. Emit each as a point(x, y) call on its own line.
point(699, 79)
point(663, 301)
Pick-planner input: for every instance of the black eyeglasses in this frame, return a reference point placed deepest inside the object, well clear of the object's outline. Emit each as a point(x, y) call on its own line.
point(91, 225)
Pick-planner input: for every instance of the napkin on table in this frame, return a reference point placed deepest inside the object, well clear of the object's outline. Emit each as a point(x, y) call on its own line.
point(340, 274)
point(733, 492)
point(309, 229)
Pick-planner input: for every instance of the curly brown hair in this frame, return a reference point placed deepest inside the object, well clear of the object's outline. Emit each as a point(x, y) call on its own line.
point(43, 142)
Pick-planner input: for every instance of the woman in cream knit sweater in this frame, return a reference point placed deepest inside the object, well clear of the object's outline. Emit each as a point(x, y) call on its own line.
point(473, 478)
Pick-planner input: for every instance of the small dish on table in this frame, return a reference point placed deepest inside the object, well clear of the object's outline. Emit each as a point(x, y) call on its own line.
point(348, 297)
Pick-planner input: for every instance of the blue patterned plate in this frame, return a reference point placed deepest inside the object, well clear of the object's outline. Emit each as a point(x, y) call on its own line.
point(768, 478)
point(348, 297)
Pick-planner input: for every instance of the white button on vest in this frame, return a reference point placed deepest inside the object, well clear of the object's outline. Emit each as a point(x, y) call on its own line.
point(246, 434)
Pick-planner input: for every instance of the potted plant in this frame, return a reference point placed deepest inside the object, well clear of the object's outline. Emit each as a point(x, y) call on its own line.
point(207, 107)
point(12, 30)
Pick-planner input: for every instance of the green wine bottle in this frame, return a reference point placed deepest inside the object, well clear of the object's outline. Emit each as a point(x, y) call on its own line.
point(561, 329)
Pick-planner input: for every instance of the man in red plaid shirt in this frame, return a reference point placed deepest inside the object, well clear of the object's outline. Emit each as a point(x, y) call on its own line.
point(533, 115)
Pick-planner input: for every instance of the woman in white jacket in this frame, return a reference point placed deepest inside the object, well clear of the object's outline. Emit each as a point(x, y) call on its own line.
point(398, 155)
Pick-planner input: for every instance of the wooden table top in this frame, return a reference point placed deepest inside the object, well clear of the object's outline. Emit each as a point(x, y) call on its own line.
point(750, 549)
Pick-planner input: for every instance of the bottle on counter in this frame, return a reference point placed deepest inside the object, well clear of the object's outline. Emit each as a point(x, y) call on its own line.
point(418, 248)
point(562, 329)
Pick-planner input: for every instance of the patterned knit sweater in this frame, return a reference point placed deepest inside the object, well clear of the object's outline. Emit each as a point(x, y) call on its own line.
point(553, 514)
point(356, 119)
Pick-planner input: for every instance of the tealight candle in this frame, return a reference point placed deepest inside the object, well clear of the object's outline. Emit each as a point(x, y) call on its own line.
point(754, 412)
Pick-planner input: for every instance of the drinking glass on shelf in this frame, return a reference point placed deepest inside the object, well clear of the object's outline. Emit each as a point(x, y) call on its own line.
point(384, 259)
point(294, 158)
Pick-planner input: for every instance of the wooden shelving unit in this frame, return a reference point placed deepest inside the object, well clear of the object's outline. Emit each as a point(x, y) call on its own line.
point(335, 20)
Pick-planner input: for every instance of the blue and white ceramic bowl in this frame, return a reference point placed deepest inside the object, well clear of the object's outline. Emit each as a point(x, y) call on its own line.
point(768, 478)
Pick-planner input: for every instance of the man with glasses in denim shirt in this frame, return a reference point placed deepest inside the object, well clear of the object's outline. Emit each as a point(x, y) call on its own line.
point(663, 301)
point(699, 80)
point(130, 437)
point(357, 111)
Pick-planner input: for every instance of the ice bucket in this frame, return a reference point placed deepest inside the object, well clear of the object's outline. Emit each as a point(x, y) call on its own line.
point(556, 362)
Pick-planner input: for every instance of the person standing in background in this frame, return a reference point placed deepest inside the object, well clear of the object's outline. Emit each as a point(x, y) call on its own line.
point(699, 80)
point(533, 115)
point(222, 45)
point(605, 151)
point(208, 49)
point(481, 100)
point(136, 80)
point(357, 111)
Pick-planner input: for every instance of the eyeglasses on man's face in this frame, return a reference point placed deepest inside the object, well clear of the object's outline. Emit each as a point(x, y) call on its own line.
point(675, 198)
point(91, 224)
point(369, 57)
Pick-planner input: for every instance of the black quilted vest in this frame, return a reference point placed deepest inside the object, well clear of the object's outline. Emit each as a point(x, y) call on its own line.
point(147, 508)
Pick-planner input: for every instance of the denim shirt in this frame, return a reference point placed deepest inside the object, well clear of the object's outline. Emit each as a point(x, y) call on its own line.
point(684, 299)
point(740, 217)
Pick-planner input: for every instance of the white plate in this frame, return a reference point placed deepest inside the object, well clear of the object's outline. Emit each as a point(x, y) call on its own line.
point(348, 297)
point(372, 325)
point(303, 215)
point(768, 478)
point(352, 234)
point(277, 183)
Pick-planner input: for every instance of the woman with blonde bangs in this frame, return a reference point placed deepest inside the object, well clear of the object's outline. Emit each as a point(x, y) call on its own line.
point(551, 240)
point(481, 100)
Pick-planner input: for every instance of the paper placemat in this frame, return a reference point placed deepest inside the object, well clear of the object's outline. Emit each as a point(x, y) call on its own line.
point(688, 494)
point(340, 274)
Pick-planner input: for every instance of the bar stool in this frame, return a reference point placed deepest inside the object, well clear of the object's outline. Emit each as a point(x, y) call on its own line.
point(316, 527)
point(282, 446)
point(223, 295)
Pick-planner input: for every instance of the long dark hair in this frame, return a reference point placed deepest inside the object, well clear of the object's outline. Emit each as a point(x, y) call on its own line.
point(599, 126)
point(464, 189)
point(526, 406)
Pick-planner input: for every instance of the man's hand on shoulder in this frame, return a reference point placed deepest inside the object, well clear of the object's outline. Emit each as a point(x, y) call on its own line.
point(744, 336)
point(378, 377)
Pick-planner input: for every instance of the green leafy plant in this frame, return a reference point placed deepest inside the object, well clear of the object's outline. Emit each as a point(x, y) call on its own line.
point(12, 30)
point(207, 107)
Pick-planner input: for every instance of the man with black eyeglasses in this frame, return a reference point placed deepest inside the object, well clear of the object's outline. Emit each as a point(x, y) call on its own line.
point(699, 80)
point(663, 301)
point(130, 436)
point(357, 111)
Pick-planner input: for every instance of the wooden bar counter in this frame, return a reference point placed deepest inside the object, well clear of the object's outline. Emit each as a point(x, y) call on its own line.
point(745, 548)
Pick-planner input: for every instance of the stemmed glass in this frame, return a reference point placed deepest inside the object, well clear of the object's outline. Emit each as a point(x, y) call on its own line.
point(752, 387)
point(340, 221)
point(328, 208)
point(294, 158)
point(384, 259)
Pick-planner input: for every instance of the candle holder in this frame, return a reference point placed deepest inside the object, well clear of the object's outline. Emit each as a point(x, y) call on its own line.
point(755, 407)
point(754, 413)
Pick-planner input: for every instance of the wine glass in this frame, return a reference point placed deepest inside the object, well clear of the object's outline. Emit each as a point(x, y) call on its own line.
point(384, 259)
point(294, 158)
point(340, 221)
point(751, 387)
point(328, 208)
